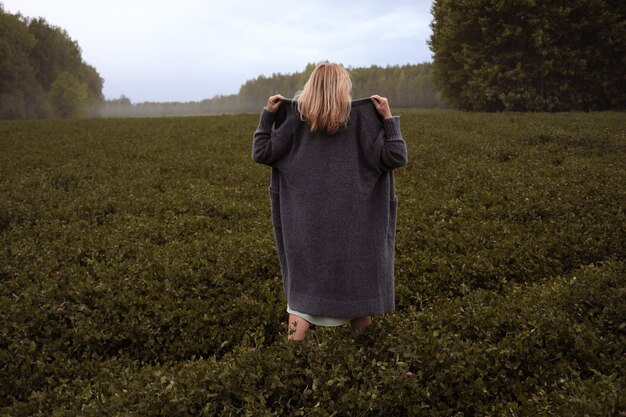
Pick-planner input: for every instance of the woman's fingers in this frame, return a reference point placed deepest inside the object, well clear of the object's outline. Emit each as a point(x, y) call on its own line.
point(273, 103)
point(379, 102)
point(382, 105)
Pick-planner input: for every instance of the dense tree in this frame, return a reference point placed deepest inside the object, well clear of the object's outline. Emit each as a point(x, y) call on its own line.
point(18, 85)
point(89, 75)
point(530, 55)
point(42, 73)
point(53, 53)
point(68, 95)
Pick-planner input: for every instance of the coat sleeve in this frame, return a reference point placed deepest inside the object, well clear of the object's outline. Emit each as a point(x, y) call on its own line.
point(394, 152)
point(269, 146)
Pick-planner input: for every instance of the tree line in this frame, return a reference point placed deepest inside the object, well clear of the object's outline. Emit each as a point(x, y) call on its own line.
point(529, 55)
point(42, 73)
point(404, 85)
point(489, 55)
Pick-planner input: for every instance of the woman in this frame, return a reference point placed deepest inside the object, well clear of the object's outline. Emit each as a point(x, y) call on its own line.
point(333, 200)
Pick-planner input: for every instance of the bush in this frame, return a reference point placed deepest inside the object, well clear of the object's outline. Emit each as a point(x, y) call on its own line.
point(139, 274)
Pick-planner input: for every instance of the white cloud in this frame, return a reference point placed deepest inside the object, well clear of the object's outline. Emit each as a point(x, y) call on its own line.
point(191, 49)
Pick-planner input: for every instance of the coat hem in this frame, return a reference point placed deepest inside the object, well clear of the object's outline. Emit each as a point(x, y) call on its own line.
point(317, 306)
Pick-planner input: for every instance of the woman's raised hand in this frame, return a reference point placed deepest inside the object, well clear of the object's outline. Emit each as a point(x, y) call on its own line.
point(382, 106)
point(273, 103)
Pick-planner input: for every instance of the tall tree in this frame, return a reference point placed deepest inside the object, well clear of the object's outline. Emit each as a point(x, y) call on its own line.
point(68, 95)
point(530, 55)
point(19, 88)
point(34, 58)
point(54, 52)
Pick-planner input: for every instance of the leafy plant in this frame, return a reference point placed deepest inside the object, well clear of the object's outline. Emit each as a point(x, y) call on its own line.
point(139, 274)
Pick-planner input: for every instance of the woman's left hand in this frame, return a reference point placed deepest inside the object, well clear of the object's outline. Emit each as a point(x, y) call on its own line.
point(382, 106)
point(273, 103)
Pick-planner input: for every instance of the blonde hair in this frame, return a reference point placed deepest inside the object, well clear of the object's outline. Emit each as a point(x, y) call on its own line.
point(325, 100)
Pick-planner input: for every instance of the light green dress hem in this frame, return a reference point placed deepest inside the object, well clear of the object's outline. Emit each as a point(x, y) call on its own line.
point(319, 320)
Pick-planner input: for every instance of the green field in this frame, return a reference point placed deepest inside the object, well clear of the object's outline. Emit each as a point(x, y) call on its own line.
point(139, 277)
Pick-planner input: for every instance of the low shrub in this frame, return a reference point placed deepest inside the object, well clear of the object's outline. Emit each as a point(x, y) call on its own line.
point(139, 274)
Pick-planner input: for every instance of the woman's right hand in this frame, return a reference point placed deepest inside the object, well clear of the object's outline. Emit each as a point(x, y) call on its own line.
point(273, 103)
point(382, 105)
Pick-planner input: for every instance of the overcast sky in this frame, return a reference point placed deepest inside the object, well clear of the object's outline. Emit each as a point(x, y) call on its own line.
point(183, 50)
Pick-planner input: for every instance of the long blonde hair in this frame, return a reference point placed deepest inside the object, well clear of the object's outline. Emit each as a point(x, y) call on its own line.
point(325, 100)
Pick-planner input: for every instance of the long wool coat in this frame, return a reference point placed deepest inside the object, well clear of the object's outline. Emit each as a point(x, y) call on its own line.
point(334, 208)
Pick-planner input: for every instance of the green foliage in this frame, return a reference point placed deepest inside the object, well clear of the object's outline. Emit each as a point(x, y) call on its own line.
point(529, 55)
point(405, 86)
point(42, 72)
point(139, 274)
point(68, 95)
point(18, 86)
point(54, 52)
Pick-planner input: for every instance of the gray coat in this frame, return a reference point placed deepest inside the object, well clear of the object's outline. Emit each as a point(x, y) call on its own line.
point(334, 209)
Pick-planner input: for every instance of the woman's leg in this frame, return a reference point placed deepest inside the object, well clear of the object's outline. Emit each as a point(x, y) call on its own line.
point(297, 327)
point(360, 324)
